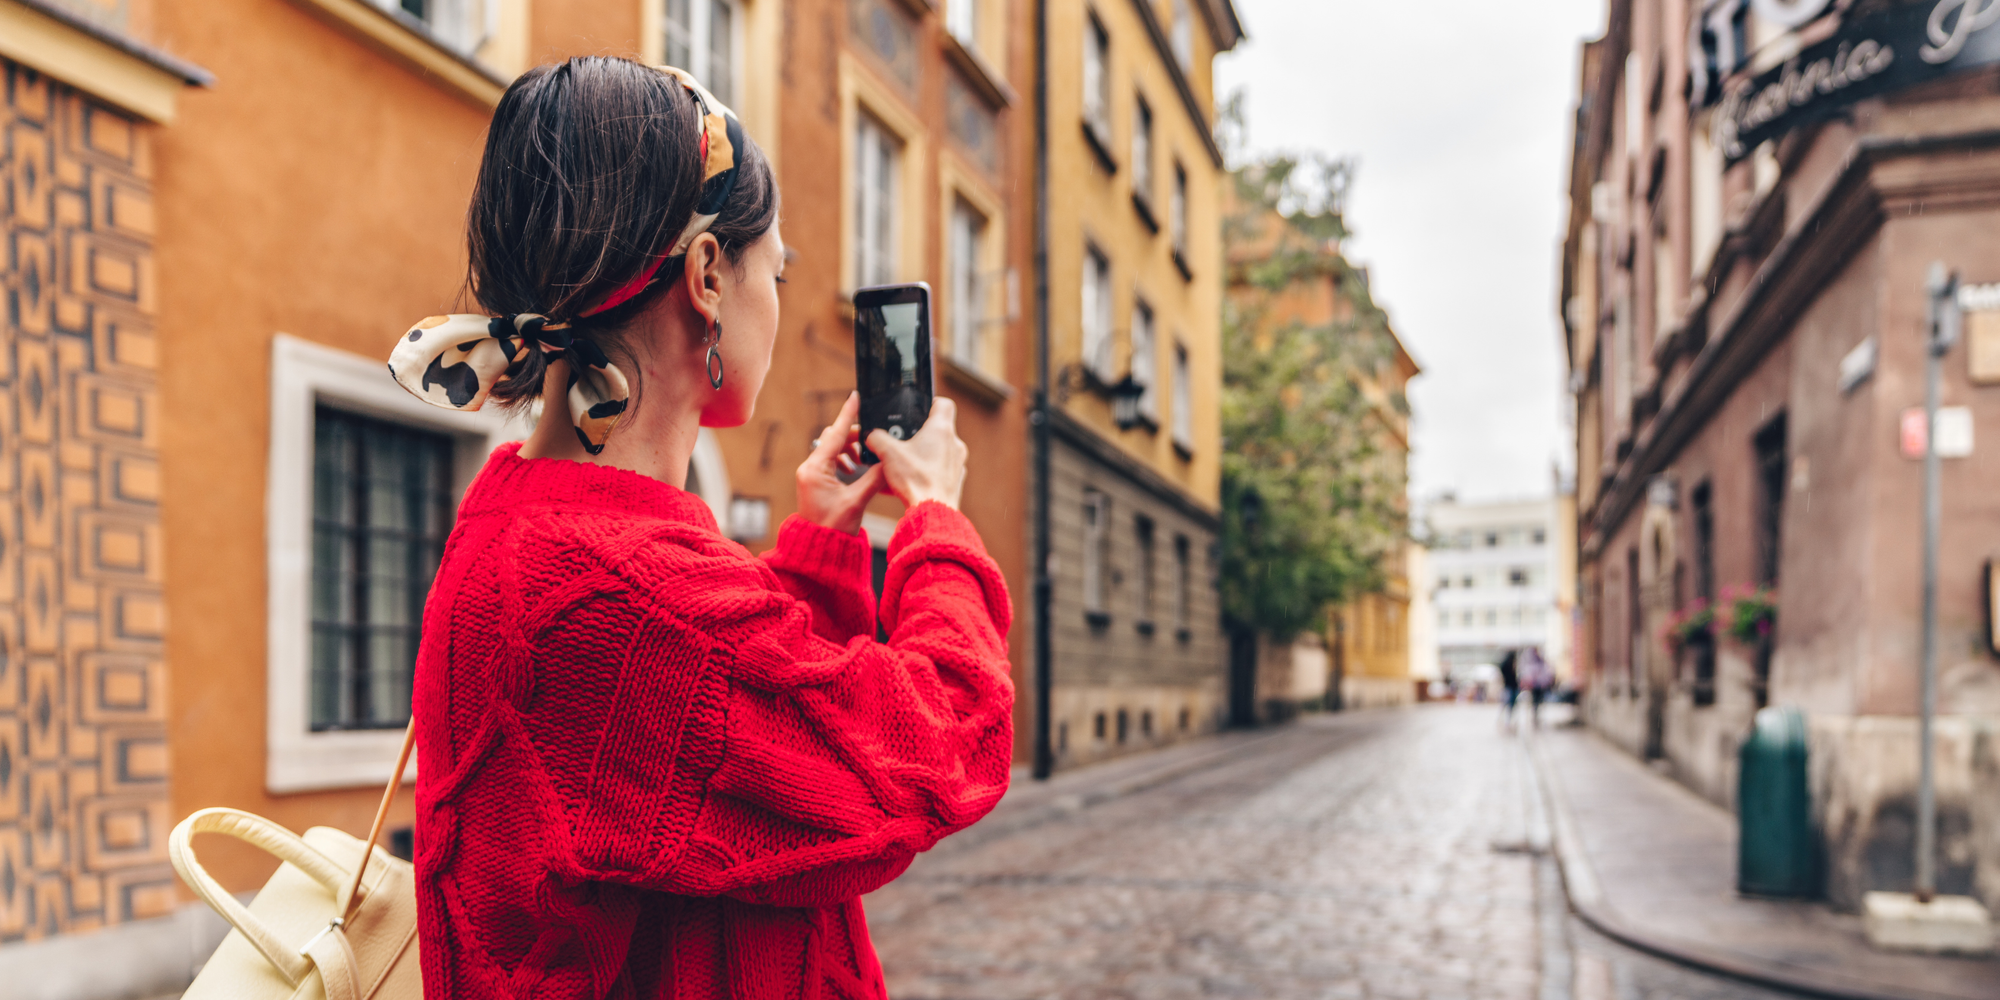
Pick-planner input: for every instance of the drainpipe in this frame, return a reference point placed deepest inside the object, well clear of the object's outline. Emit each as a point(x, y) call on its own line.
point(1943, 289)
point(1045, 757)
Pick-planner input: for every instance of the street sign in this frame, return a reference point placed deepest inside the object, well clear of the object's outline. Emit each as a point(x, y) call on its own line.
point(1954, 432)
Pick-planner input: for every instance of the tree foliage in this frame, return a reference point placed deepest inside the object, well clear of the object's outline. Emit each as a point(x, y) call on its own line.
point(1311, 497)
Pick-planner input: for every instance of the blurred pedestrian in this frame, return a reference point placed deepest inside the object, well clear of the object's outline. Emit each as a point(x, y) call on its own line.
point(654, 764)
point(1510, 688)
point(1536, 680)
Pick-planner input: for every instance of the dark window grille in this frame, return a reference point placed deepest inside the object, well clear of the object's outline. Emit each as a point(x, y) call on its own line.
point(382, 506)
point(1770, 449)
point(1703, 648)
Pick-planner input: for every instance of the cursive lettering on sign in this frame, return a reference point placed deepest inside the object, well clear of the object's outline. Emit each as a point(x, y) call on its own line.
point(1945, 45)
point(1749, 109)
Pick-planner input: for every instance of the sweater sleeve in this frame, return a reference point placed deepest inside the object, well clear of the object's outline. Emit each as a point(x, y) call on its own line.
point(809, 772)
point(832, 572)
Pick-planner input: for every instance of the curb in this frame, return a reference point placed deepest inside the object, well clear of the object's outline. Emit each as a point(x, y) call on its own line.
point(1586, 900)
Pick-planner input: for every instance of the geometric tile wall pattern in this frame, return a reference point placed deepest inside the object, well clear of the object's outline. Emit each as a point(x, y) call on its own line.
point(83, 756)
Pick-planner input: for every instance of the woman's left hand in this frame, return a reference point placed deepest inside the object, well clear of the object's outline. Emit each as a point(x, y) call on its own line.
point(823, 498)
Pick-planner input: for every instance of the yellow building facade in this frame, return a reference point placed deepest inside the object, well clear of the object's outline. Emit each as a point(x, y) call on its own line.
point(1134, 279)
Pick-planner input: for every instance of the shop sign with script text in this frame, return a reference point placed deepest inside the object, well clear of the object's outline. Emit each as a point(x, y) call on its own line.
point(1867, 56)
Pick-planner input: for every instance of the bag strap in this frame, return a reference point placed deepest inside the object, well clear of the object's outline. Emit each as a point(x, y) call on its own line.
point(381, 817)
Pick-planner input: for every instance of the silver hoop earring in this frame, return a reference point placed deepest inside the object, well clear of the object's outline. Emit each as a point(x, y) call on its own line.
point(715, 358)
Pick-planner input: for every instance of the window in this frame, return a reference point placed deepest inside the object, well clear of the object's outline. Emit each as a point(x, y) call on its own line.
point(1096, 551)
point(1183, 401)
point(701, 38)
point(1145, 360)
point(1183, 38)
point(1635, 632)
point(1146, 723)
point(1097, 338)
point(461, 25)
point(1517, 577)
point(1142, 154)
point(1540, 536)
point(961, 18)
point(1769, 446)
point(1178, 217)
point(382, 505)
point(1702, 502)
point(878, 158)
point(1124, 725)
point(967, 290)
point(1142, 529)
point(1097, 726)
point(1183, 586)
point(345, 570)
point(1492, 539)
point(1097, 80)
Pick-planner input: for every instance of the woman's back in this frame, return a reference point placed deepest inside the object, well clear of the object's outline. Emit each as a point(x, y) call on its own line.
point(654, 765)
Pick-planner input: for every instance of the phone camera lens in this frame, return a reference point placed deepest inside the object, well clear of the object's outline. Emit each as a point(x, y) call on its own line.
point(898, 433)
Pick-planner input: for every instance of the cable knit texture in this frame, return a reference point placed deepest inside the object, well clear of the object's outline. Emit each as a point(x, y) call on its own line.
point(655, 765)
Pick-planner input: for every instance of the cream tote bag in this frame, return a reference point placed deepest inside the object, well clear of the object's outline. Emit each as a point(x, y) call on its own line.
point(337, 922)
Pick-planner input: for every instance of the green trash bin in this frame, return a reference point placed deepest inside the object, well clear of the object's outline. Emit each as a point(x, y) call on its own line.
point(1777, 850)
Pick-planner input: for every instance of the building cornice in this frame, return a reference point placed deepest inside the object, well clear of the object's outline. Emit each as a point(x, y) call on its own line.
point(1074, 433)
point(1836, 224)
point(1165, 50)
point(103, 63)
point(414, 47)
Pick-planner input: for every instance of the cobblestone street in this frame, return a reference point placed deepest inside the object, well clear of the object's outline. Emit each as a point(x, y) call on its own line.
point(1372, 855)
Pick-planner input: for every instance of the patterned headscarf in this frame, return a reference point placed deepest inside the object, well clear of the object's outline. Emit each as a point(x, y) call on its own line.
point(455, 361)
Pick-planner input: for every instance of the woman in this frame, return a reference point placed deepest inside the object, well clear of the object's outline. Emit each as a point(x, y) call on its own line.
point(653, 765)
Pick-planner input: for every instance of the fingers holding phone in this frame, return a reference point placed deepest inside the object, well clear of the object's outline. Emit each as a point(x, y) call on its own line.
point(928, 466)
point(834, 487)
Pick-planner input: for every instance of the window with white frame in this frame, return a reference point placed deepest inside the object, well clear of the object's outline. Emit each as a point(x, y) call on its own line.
point(1097, 339)
point(1178, 213)
point(1097, 78)
point(702, 38)
point(1145, 359)
point(460, 25)
point(961, 18)
point(967, 288)
point(362, 479)
point(1096, 551)
point(1183, 401)
point(1142, 153)
point(1183, 36)
point(878, 155)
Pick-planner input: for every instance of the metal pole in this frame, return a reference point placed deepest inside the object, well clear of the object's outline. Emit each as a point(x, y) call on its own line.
point(1942, 287)
point(1045, 757)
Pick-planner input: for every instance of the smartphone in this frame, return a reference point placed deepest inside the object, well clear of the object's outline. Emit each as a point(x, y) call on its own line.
point(892, 359)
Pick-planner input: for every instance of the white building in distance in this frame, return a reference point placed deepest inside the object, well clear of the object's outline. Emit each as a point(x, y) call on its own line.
point(1494, 584)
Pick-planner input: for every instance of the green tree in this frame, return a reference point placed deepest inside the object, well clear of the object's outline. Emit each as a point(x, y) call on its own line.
point(1312, 501)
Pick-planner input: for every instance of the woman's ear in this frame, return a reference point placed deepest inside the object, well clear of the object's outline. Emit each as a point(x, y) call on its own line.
point(702, 277)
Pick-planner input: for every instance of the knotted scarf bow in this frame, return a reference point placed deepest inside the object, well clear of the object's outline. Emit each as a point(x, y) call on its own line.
point(455, 361)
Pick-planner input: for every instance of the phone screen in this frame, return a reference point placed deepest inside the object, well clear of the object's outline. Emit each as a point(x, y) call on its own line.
point(892, 359)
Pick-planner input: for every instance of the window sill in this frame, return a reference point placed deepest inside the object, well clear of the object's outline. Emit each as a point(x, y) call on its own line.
point(981, 74)
point(1097, 620)
point(1144, 206)
point(1180, 262)
point(983, 388)
point(1100, 144)
point(413, 46)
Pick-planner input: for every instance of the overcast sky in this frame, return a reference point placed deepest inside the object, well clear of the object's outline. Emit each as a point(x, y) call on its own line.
point(1458, 113)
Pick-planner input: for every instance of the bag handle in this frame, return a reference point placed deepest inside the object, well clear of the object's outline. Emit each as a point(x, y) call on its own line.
point(274, 839)
point(354, 895)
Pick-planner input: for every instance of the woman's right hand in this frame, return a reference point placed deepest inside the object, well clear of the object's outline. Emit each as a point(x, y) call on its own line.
point(930, 465)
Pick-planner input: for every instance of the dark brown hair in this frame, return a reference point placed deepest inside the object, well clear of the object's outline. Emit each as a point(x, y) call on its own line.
point(591, 170)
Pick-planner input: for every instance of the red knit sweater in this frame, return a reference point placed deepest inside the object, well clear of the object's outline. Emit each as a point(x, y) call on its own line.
point(657, 766)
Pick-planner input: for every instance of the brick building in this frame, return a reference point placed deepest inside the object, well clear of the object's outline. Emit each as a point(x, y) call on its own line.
point(1753, 206)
